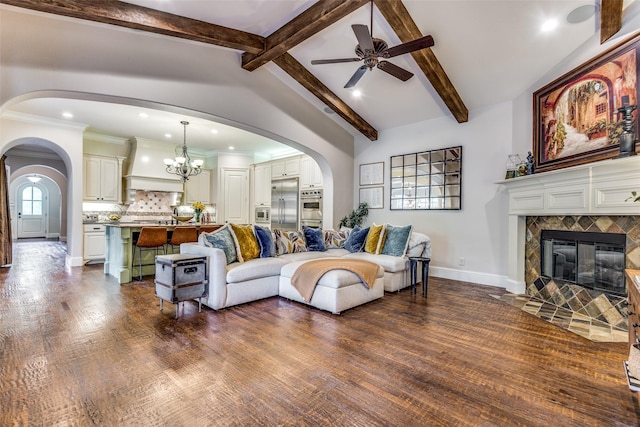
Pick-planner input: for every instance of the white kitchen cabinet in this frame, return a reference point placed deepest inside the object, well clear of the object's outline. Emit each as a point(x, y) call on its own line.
point(198, 188)
point(285, 168)
point(94, 242)
point(262, 185)
point(102, 179)
point(310, 174)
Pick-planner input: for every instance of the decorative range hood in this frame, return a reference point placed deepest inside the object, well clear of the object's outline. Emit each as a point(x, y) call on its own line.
point(145, 169)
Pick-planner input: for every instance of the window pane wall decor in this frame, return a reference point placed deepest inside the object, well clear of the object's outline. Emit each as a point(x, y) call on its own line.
point(427, 180)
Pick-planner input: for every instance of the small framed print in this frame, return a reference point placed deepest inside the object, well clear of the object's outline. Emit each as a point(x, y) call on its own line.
point(372, 173)
point(373, 196)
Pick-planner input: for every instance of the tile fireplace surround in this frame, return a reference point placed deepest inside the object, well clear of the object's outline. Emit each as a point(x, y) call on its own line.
point(590, 197)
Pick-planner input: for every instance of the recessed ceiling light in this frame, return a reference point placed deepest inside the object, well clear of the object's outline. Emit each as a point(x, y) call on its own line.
point(329, 110)
point(356, 93)
point(214, 130)
point(67, 115)
point(167, 135)
point(549, 25)
point(232, 147)
point(143, 115)
point(582, 13)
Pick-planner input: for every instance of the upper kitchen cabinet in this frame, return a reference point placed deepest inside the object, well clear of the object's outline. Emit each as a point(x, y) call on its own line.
point(262, 185)
point(102, 179)
point(285, 168)
point(198, 188)
point(310, 175)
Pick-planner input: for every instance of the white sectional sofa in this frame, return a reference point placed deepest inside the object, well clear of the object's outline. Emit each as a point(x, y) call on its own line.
point(241, 282)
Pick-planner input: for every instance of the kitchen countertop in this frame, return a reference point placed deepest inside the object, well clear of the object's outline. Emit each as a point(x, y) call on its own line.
point(154, 224)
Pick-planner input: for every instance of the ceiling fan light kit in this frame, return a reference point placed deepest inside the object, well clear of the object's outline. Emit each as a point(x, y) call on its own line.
point(374, 51)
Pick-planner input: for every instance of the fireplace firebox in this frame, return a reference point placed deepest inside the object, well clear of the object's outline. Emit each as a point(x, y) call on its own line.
point(592, 260)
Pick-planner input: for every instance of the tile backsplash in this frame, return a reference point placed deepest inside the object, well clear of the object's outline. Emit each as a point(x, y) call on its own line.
point(145, 205)
point(152, 202)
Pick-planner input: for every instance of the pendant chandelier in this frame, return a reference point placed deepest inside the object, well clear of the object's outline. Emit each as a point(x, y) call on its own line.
point(182, 165)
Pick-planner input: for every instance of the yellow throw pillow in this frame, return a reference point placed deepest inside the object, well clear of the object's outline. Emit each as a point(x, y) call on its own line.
point(374, 238)
point(247, 245)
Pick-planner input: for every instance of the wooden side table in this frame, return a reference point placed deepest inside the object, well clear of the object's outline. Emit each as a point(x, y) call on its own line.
point(424, 263)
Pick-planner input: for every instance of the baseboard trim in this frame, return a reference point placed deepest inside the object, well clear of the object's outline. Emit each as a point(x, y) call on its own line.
point(73, 261)
point(471, 276)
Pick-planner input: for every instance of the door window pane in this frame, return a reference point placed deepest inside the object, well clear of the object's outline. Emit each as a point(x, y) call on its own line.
point(31, 201)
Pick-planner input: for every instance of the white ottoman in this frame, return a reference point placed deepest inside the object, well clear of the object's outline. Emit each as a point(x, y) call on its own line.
point(337, 290)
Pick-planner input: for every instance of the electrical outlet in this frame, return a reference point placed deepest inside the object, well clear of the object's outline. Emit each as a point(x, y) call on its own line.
point(461, 261)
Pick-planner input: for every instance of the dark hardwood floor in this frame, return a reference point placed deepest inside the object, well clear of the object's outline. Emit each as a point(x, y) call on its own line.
point(76, 348)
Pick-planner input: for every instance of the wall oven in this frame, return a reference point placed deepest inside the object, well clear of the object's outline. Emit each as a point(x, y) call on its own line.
point(263, 214)
point(311, 208)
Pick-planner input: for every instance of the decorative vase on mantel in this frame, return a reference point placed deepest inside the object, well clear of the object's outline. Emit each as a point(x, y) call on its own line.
point(198, 213)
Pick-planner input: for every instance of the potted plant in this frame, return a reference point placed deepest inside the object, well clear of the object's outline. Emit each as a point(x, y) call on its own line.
point(356, 217)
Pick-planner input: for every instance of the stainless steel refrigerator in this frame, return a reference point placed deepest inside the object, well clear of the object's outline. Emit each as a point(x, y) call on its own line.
point(284, 204)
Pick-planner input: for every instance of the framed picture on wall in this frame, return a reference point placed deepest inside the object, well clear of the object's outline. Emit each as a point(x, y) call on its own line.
point(372, 173)
point(373, 196)
point(578, 117)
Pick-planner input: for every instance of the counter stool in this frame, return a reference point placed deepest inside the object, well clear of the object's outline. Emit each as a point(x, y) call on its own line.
point(414, 261)
point(182, 235)
point(151, 238)
point(207, 228)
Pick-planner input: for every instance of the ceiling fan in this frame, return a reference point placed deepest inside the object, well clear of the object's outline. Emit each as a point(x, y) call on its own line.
point(374, 51)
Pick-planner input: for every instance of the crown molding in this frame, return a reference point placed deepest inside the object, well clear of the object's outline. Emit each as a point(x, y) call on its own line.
point(105, 138)
point(33, 119)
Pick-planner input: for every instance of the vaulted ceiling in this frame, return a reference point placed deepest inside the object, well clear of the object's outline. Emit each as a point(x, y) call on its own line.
point(481, 43)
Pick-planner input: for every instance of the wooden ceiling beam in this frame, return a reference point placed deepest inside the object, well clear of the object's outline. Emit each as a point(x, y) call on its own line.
point(398, 17)
point(313, 20)
point(296, 70)
point(610, 18)
point(142, 18)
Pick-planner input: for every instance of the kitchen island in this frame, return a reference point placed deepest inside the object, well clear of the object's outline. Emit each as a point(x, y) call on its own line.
point(121, 261)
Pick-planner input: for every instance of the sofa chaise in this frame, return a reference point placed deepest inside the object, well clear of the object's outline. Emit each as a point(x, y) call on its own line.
point(236, 277)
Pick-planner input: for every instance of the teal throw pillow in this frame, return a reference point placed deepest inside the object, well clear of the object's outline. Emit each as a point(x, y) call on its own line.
point(397, 240)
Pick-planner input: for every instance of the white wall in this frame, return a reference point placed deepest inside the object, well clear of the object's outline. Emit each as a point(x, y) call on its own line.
point(477, 232)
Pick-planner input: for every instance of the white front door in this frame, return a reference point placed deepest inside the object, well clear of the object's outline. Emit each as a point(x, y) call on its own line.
point(236, 195)
point(32, 209)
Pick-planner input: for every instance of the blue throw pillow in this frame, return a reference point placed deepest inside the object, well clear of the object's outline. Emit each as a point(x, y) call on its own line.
point(356, 239)
point(265, 241)
point(397, 240)
point(222, 239)
point(315, 241)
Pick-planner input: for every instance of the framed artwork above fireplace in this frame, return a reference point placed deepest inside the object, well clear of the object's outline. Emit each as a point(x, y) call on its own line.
point(577, 118)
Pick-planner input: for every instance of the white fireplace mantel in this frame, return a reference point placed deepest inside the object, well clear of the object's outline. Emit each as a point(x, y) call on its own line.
point(599, 188)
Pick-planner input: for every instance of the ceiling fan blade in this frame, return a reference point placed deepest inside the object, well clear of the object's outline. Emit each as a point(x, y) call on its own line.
point(356, 77)
point(413, 45)
point(395, 71)
point(363, 36)
point(334, 61)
